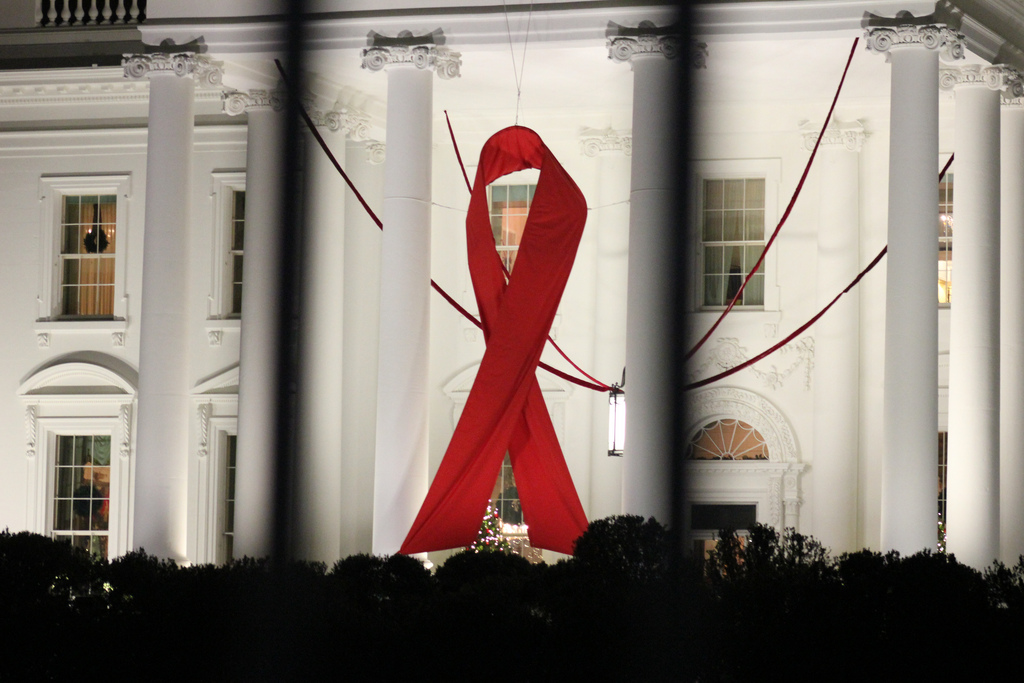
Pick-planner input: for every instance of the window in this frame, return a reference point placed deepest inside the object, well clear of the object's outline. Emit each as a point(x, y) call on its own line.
point(228, 195)
point(728, 440)
point(81, 492)
point(946, 239)
point(706, 521)
point(85, 221)
point(732, 239)
point(505, 500)
point(510, 205)
point(235, 250)
point(87, 255)
point(228, 499)
point(943, 459)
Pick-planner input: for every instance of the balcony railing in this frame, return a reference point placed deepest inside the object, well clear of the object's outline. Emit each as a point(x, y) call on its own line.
point(80, 13)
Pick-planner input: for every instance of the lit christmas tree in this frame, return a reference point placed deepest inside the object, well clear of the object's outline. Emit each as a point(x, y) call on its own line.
point(490, 539)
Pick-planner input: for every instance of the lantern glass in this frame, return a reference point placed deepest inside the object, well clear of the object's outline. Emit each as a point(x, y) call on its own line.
point(616, 422)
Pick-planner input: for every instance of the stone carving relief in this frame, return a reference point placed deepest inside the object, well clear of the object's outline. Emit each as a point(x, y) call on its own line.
point(727, 353)
point(445, 62)
point(205, 71)
point(594, 142)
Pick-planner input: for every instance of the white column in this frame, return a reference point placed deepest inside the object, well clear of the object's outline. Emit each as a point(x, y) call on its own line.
point(1011, 398)
point(364, 164)
point(837, 338)
point(909, 470)
point(320, 428)
point(400, 476)
point(161, 465)
point(254, 473)
point(646, 458)
point(611, 224)
point(972, 525)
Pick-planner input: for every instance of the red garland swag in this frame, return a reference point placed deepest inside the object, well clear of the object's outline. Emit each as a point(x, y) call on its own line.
point(505, 410)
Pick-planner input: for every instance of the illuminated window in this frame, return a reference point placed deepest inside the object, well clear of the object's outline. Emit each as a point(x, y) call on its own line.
point(505, 500)
point(728, 440)
point(228, 509)
point(87, 255)
point(943, 459)
point(81, 492)
point(510, 205)
point(946, 239)
point(732, 239)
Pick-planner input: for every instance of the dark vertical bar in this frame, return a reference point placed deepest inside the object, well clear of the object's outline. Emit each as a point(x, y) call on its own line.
point(679, 248)
point(291, 232)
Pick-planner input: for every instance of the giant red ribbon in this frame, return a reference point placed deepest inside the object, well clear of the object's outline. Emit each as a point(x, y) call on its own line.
point(505, 410)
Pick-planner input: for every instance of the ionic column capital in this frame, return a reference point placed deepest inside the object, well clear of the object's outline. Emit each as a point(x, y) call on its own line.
point(352, 124)
point(999, 77)
point(593, 142)
point(884, 35)
point(423, 52)
point(238, 102)
point(204, 70)
point(375, 152)
point(847, 135)
point(624, 43)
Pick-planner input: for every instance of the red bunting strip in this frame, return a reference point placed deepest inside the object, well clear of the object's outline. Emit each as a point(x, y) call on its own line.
point(505, 410)
point(785, 215)
point(791, 337)
point(596, 385)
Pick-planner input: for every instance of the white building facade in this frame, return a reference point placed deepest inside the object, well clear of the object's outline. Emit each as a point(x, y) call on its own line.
point(140, 158)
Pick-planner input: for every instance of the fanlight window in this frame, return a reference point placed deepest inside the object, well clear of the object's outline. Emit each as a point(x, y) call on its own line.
point(728, 440)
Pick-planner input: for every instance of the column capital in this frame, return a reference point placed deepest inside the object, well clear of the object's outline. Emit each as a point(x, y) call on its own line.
point(352, 124)
point(849, 135)
point(907, 31)
point(593, 142)
point(375, 152)
point(423, 52)
point(238, 102)
point(203, 69)
point(992, 77)
point(624, 42)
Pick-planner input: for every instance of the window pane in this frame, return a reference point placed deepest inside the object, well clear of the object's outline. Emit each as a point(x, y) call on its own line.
point(498, 194)
point(69, 299)
point(754, 193)
point(239, 211)
point(753, 252)
point(69, 241)
point(734, 194)
point(713, 226)
point(714, 193)
point(517, 193)
point(753, 293)
point(714, 290)
point(733, 226)
point(754, 225)
point(714, 259)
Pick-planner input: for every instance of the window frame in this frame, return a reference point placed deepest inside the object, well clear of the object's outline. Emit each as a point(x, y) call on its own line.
point(52, 191)
point(741, 169)
point(224, 186)
point(214, 419)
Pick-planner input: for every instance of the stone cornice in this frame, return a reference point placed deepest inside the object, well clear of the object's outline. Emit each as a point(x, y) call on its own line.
point(992, 77)
point(838, 134)
point(204, 70)
point(424, 52)
point(883, 39)
point(593, 142)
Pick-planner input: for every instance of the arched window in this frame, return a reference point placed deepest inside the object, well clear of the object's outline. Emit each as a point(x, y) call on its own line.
point(728, 440)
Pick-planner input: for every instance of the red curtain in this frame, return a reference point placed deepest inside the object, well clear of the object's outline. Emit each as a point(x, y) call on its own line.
point(505, 410)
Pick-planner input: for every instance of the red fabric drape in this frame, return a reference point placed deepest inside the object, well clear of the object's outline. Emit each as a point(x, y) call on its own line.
point(505, 410)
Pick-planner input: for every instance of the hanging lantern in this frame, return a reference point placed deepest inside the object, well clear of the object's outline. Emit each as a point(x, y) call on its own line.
point(617, 418)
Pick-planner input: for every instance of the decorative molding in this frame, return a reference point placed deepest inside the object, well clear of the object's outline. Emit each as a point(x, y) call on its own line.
point(375, 152)
point(30, 431)
point(126, 430)
point(237, 102)
point(849, 135)
point(43, 339)
point(707, 405)
point(998, 77)
point(728, 354)
point(607, 140)
point(204, 411)
point(117, 338)
point(883, 39)
point(699, 55)
point(445, 62)
point(624, 43)
point(204, 70)
point(215, 337)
